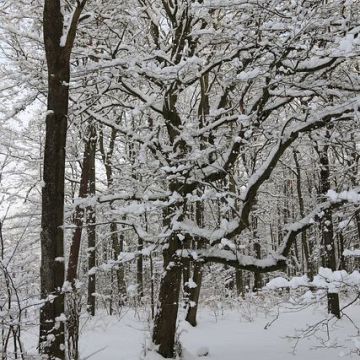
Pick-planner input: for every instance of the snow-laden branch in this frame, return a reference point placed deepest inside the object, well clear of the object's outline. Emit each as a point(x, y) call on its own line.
point(276, 260)
point(332, 281)
point(146, 200)
point(331, 113)
point(216, 170)
point(352, 253)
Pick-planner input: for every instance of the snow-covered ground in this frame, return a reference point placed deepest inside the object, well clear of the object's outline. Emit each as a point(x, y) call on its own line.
point(229, 335)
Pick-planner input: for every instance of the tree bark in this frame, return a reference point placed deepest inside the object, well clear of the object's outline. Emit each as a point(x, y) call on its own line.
point(257, 251)
point(117, 241)
point(73, 262)
point(165, 319)
point(52, 269)
point(194, 292)
point(73, 299)
point(91, 227)
point(52, 272)
point(308, 267)
point(327, 229)
point(140, 270)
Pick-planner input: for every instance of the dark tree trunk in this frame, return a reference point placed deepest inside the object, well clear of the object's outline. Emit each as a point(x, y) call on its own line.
point(152, 291)
point(186, 271)
point(257, 250)
point(52, 338)
point(78, 217)
point(240, 288)
point(140, 270)
point(341, 242)
point(165, 319)
point(194, 292)
point(73, 300)
point(327, 230)
point(308, 267)
point(52, 272)
point(91, 227)
point(257, 275)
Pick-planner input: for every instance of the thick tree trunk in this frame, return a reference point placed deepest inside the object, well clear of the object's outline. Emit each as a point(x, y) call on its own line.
point(52, 338)
point(194, 294)
point(240, 288)
point(328, 256)
point(257, 275)
point(52, 239)
point(165, 319)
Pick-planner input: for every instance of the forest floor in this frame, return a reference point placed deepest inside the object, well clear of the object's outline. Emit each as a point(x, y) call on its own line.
point(244, 331)
point(233, 333)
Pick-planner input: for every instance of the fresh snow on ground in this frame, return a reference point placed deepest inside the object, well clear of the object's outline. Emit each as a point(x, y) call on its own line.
point(227, 335)
point(243, 331)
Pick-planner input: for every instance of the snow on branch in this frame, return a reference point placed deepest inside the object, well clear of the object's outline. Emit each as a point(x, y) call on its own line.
point(276, 260)
point(216, 170)
point(352, 253)
point(332, 281)
point(263, 173)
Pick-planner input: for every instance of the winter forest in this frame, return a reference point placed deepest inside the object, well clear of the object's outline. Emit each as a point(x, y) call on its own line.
point(179, 179)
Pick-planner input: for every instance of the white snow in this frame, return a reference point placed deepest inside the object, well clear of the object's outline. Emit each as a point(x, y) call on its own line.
point(332, 281)
point(352, 196)
point(348, 252)
point(191, 284)
point(225, 334)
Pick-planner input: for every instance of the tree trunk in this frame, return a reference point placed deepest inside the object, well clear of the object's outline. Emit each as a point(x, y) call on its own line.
point(52, 272)
point(308, 267)
point(165, 319)
point(118, 246)
point(152, 292)
point(257, 250)
point(186, 270)
point(117, 241)
point(73, 299)
point(140, 270)
point(91, 227)
point(327, 230)
point(257, 275)
point(52, 269)
point(240, 288)
point(194, 292)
